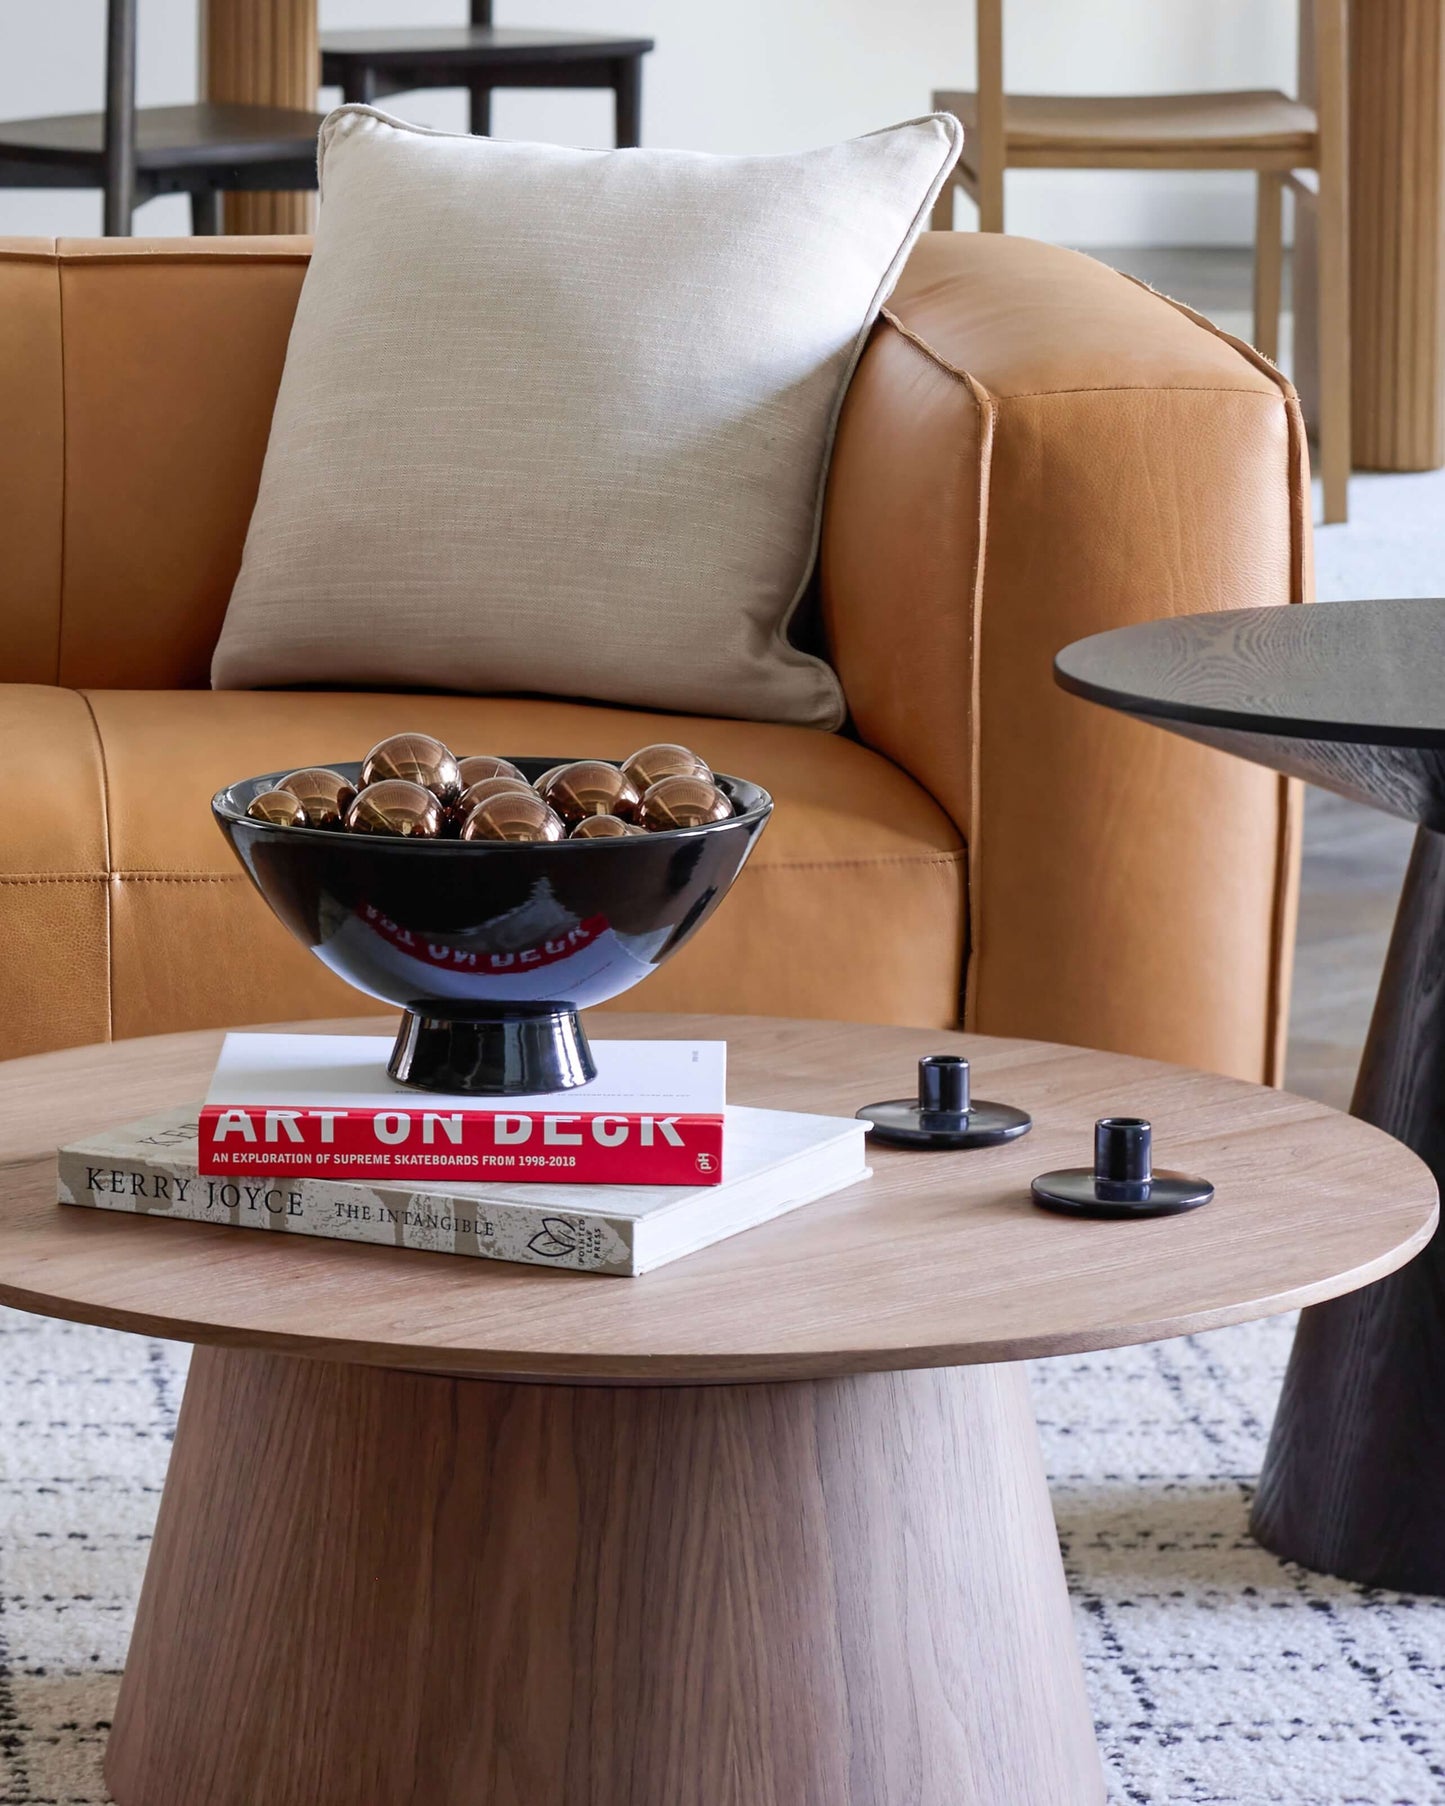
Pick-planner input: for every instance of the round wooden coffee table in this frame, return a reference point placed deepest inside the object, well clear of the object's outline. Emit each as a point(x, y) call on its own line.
point(1350, 696)
point(768, 1527)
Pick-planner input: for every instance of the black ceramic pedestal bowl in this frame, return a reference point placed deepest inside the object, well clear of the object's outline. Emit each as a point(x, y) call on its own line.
point(492, 947)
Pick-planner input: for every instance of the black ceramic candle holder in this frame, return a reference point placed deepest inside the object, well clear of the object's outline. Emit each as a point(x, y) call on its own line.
point(945, 1114)
point(1122, 1181)
point(492, 947)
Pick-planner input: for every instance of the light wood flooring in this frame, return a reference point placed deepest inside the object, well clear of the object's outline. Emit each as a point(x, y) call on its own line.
point(1354, 861)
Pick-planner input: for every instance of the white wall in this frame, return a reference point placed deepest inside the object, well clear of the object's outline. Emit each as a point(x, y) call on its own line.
point(751, 75)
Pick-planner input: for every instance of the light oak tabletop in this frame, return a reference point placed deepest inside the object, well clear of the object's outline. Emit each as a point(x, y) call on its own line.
point(938, 1260)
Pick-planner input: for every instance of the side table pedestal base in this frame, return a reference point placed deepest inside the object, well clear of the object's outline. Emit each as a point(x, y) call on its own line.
point(1354, 1481)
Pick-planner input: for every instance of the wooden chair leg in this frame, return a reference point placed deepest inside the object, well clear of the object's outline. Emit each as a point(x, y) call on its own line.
point(990, 155)
point(1334, 341)
point(481, 113)
point(942, 220)
point(1268, 263)
point(208, 212)
point(1332, 222)
point(119, 178)
point(359, 87)
point(627, 103)
point(990, 196)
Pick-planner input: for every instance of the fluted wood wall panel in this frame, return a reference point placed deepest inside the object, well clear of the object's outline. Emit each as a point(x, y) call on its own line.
point(264, 51)
point(1397, 130)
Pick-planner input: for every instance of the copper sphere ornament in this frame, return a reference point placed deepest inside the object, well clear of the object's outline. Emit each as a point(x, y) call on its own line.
point(485, 787)
point(602, 827)
point(517, 815)
point(683, 802)
point(324, 794)
point(650, 764)
point(396, 806)
point(476, 768)
point(540, 784)
point(416, 758)
point(591, 787)
point(278, 807)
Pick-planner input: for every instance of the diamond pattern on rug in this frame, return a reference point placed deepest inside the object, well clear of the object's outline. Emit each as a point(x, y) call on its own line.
point(1219, 1676)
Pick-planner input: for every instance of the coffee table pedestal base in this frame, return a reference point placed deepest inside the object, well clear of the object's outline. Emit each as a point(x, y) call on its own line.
point(370, 1587)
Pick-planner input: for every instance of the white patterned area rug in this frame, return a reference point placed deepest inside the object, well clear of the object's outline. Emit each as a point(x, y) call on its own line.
point(1219, 1677)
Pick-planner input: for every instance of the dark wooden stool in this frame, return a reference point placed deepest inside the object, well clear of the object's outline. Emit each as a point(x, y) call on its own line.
point(131, 155)
point(481, 57)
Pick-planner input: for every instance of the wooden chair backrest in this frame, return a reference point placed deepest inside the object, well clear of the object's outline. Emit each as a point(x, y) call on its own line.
point(1323, 79)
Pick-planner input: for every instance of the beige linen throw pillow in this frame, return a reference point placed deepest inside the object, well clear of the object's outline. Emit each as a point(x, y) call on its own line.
point(558, 421)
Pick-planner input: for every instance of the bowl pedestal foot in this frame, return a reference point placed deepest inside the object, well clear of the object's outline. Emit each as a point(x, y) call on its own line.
point(508, 1050)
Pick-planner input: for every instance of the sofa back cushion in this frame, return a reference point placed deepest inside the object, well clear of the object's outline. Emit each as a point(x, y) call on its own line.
point(558, 421)
point(137, 378)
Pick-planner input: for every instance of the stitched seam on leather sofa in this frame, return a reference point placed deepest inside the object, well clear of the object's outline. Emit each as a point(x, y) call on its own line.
point(109, 854)
point(65, 499)
point(1248, 352)
point(923, 345)
point(956, 857)
point(64, 476)
point(987, 406)
point(936, 357)
point(1291, 792)
point(191, 258)
point(973, 890)
point(947, 857)
point(1267, 396)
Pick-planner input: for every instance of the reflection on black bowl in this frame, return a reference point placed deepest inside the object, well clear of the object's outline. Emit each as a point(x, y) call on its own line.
point(492, 947)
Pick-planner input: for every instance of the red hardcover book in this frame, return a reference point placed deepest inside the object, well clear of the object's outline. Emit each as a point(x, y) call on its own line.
point(322, 1106)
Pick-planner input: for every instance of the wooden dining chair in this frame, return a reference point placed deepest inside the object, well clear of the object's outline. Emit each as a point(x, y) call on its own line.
point(132, 154)
point(482, 57)
point(1294, 142)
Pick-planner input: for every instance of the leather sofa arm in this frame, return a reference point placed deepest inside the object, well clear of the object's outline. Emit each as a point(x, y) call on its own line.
point(1035, 448)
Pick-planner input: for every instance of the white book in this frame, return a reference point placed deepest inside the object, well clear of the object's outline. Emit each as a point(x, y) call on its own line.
point(775, 1161)
point(348, 1072)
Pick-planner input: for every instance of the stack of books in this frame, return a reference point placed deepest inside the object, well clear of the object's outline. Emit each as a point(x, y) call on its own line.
point(306, 1135)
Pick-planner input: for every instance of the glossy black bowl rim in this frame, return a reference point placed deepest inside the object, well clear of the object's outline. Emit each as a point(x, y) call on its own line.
point(227, 810)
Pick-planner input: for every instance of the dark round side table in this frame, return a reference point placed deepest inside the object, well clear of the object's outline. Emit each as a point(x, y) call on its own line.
point(1350, 696)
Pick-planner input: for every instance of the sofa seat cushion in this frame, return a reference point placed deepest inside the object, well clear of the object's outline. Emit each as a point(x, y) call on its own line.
point(127, 915)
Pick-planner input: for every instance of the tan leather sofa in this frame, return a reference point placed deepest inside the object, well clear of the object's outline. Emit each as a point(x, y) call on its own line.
point(1033, 448)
